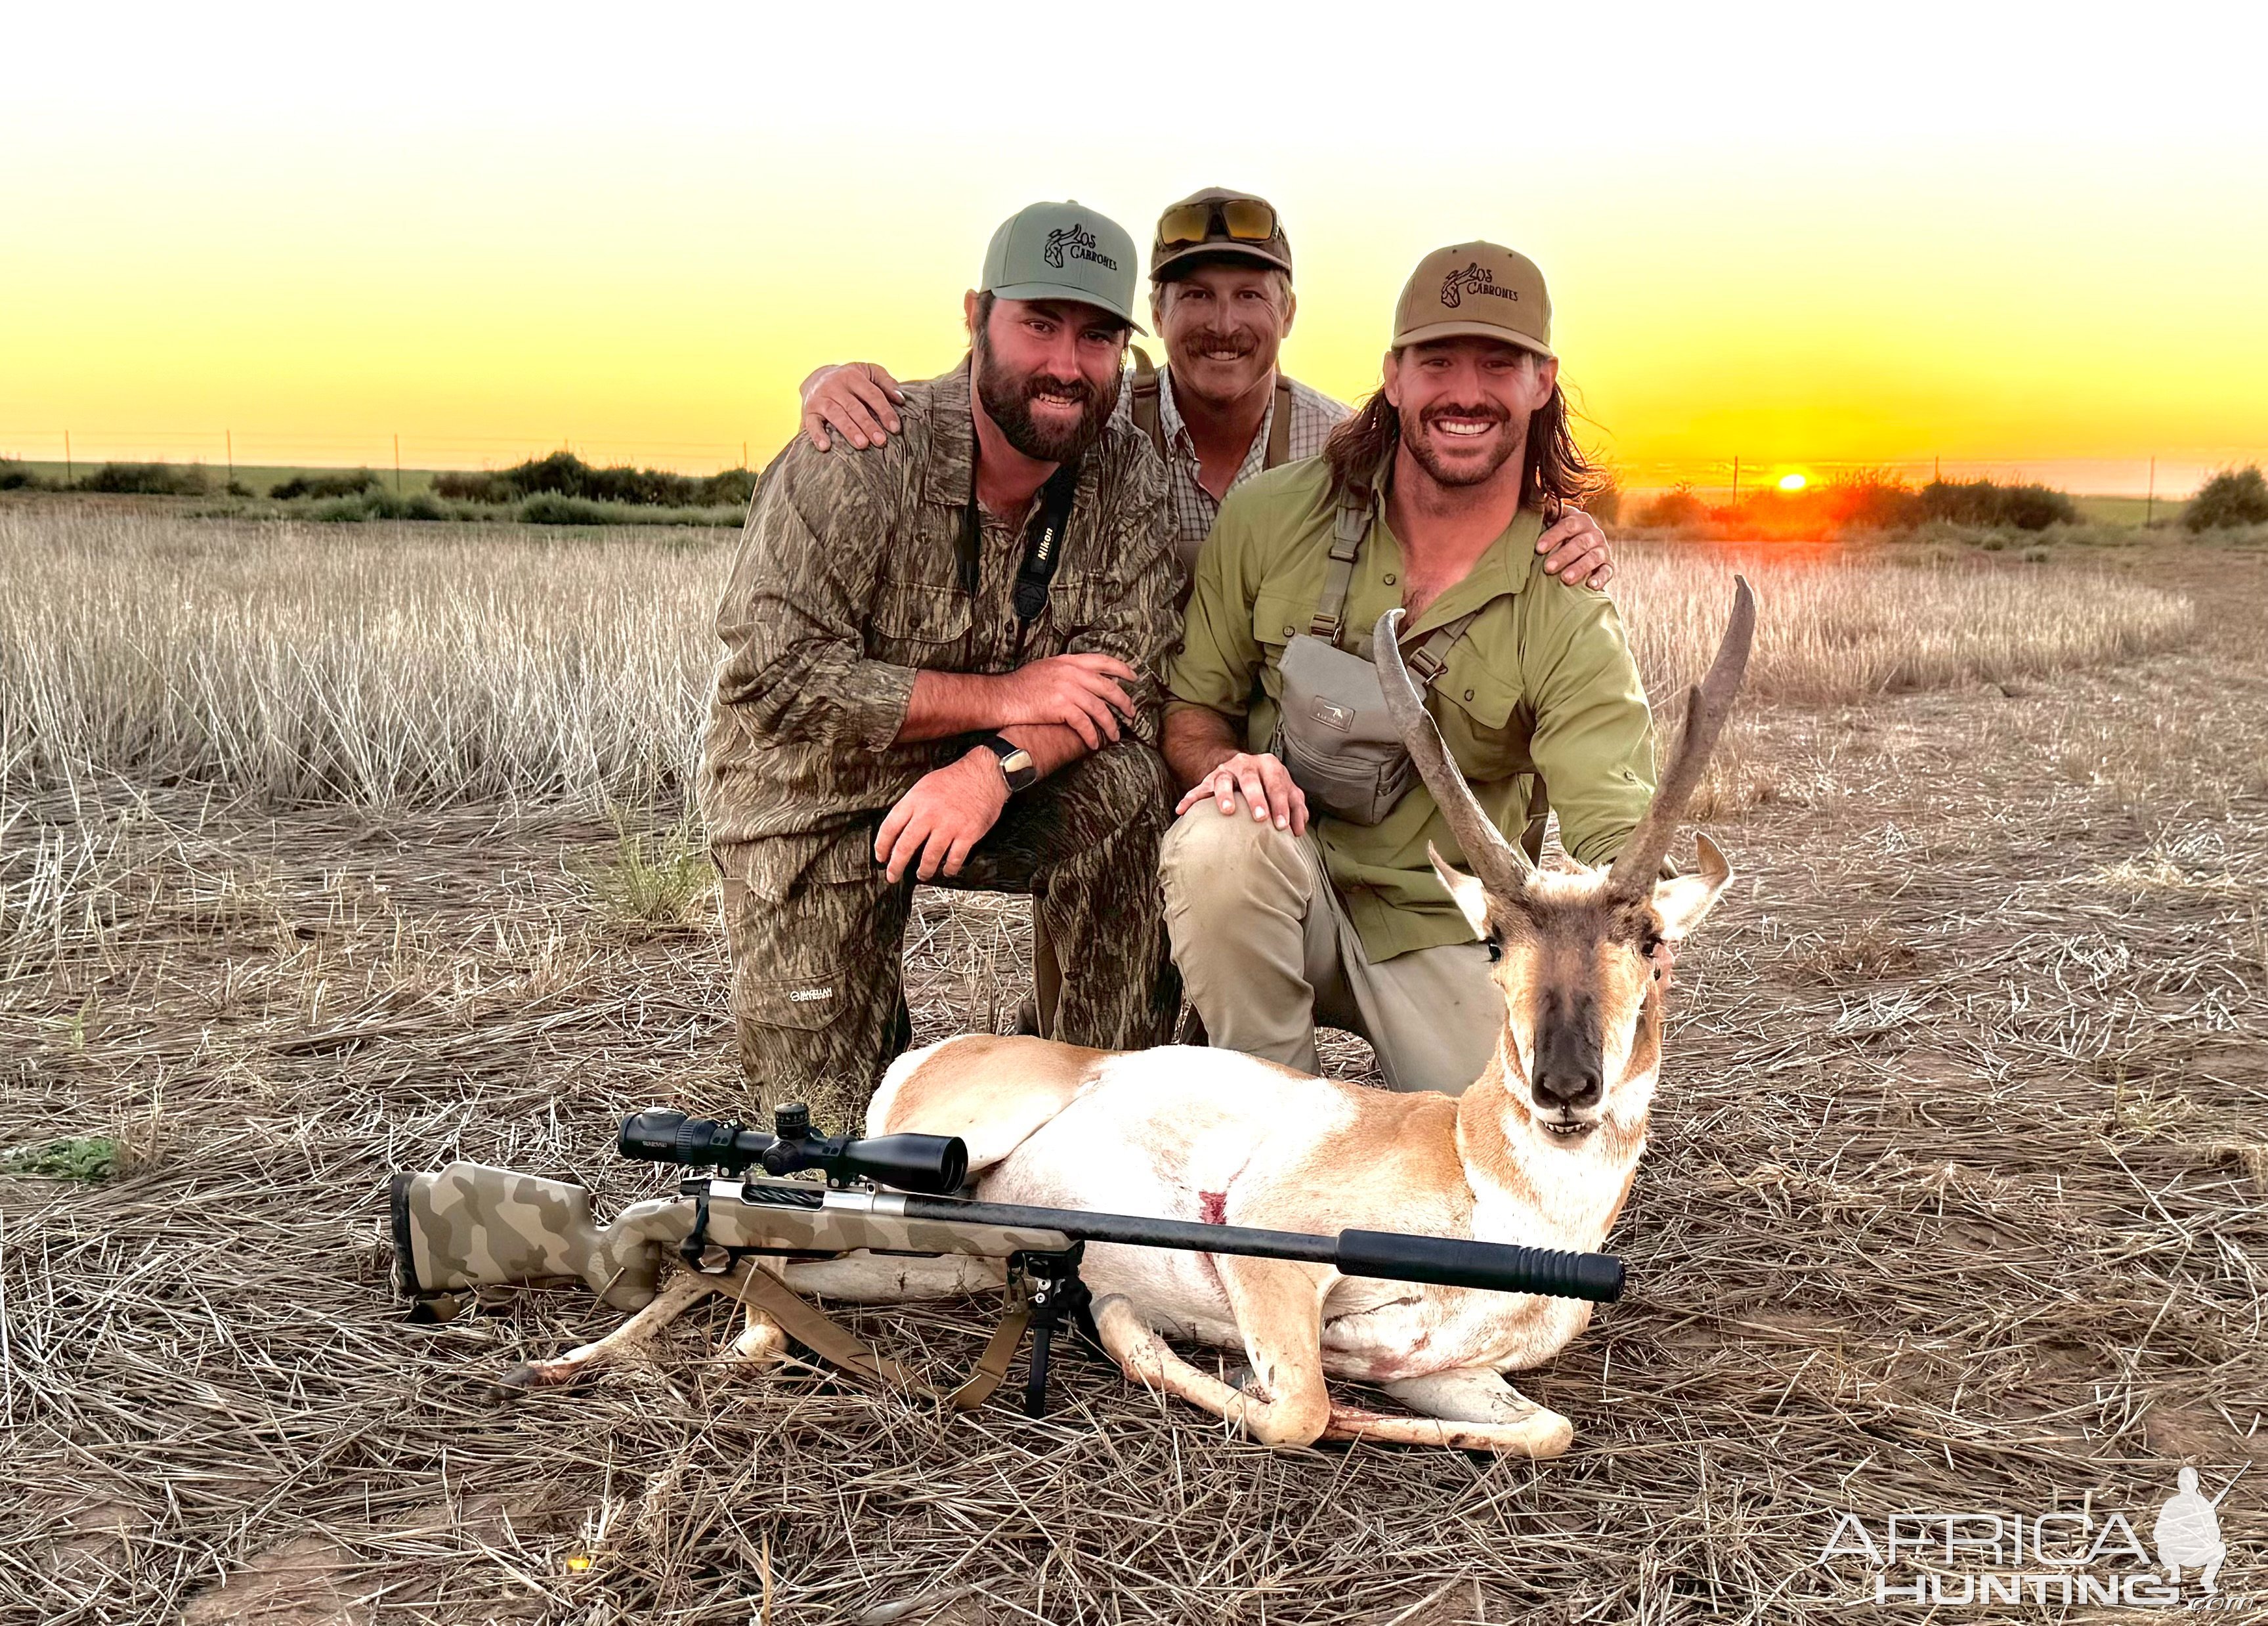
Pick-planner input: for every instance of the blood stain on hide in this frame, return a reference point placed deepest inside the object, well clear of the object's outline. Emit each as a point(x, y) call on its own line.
point(1212, 1207)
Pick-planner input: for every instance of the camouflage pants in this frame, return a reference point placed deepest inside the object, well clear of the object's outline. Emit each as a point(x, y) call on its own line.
point(818, 974)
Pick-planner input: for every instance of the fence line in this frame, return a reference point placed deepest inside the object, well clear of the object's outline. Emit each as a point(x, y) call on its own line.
point(2174, 477)
point(225, 448)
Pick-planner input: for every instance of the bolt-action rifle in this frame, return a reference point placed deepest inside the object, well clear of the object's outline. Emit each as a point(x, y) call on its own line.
point(470, 1225)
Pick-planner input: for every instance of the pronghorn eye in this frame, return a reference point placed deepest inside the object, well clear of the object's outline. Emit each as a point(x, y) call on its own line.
point(1496, 951)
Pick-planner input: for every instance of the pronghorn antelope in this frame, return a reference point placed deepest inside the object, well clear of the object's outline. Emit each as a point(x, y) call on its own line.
point(1542, 1150)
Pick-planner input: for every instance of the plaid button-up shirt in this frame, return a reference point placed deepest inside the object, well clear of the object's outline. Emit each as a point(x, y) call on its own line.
point(1191, 507)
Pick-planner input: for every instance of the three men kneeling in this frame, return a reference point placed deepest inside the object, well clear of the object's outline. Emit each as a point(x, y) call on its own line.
point(955, 652)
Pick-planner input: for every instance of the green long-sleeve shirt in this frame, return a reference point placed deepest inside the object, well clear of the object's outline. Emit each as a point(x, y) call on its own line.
point(1543, 680)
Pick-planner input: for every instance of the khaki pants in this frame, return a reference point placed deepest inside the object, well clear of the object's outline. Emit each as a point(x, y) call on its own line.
point(1266, 950)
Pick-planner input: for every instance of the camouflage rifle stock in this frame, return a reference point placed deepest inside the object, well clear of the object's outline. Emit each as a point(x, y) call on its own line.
point(473, 1225)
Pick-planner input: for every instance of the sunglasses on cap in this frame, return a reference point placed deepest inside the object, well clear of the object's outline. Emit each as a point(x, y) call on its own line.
point(1242, 220)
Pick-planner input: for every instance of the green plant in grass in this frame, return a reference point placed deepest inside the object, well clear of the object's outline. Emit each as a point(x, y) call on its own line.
point(90, 1158)
point(654, 883)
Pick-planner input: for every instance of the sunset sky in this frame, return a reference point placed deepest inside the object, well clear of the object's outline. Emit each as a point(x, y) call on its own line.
point(2009, 238)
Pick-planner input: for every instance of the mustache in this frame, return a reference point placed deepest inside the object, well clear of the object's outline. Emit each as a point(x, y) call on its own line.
point(1241, 343)
point(1038, 384)
point(1486, 410)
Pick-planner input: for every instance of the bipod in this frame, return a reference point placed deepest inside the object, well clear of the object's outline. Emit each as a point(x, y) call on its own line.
point(1056, 1296)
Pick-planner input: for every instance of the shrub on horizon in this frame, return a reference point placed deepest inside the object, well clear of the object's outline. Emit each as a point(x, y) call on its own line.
point(2234, 496)
point(2029, 507)
point(147, 480)
point(344, 484)
point(564, 475)
point(1674, 509)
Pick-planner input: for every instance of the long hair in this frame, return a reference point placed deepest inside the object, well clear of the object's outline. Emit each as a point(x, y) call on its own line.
point(1553, 470)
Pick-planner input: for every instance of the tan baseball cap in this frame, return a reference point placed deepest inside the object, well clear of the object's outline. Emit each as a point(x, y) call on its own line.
point(1480, 290)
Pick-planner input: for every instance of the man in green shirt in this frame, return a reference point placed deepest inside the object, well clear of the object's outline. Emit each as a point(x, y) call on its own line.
point(1431, 498)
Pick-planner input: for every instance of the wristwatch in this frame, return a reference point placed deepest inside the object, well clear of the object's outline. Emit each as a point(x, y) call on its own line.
point(1016, 763)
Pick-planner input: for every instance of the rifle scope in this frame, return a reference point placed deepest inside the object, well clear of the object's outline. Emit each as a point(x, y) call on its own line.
point(937, 1164)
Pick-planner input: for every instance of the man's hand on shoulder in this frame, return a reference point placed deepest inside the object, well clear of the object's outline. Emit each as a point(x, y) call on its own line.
point(1575, 551)
point(856, 400)
point(947, 811)
point(1265, 784)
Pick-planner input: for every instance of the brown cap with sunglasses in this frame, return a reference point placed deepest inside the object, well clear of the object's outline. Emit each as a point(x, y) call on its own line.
point(1216, 224)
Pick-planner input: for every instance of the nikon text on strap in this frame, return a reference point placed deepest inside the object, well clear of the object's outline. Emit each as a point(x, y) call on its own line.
point(1043, 542)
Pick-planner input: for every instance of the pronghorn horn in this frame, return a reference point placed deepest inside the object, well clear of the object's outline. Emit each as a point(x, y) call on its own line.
point(1501, 867)
point(1707, 705)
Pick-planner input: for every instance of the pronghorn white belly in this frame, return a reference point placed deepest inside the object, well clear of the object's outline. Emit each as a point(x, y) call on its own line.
point(1378, 1332)
point(1164, 1134)
point(1419, 1330)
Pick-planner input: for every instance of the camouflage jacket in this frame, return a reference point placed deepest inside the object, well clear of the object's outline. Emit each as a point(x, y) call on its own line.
point(849, 582)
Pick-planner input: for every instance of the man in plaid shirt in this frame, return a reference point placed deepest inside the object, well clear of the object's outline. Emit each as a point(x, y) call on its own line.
point(1218, 412)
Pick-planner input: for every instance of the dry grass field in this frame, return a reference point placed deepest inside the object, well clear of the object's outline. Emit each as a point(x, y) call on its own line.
point(326, 855)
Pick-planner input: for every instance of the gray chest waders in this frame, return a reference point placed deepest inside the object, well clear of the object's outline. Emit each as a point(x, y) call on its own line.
point(1334, 734)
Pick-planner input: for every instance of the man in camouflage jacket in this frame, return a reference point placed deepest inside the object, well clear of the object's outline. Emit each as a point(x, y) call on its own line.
point(879, 718)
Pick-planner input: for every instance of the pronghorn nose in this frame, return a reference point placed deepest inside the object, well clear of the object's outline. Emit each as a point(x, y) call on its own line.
point(1579, 1087)
point(1567, 1069)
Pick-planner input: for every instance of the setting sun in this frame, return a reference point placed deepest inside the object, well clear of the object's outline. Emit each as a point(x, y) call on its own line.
point(1792, 483)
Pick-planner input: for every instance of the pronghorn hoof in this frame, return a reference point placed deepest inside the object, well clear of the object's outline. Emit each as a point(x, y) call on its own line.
point(515, 1383)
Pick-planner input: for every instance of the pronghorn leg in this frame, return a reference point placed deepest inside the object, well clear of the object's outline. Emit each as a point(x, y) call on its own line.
point(760, 1344)
point(1279, 1309)
point(1472, 1408)
point(1284, 1404)
point(685, 1290)
point(1143, 1356)
point(892, 1278)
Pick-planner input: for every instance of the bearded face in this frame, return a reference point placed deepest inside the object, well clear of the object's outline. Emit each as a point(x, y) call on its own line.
point(1047, 375)
point(1465, 406)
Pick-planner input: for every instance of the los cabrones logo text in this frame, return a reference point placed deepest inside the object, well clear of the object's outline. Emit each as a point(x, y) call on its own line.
point(1474, 279)
point(1075, 242)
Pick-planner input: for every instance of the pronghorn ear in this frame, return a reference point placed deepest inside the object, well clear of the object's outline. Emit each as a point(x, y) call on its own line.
point(1681, 903)
point(1470, 897)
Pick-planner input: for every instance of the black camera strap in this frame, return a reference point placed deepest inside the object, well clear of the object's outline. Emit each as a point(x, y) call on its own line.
point(1043, 542)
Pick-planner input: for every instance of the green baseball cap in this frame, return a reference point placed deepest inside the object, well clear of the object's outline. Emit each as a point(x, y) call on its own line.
point(1063, 251)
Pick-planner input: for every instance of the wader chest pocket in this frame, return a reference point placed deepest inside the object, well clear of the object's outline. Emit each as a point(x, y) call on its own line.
point(1335, 736)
